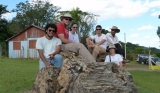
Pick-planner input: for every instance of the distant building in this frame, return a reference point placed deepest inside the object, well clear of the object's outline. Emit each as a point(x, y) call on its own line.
point(23, 44)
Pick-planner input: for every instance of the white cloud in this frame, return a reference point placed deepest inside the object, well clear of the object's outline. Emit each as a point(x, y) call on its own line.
point(108, 28)
point(134, 42)
point(8, 16)
point(156, 13)
point(156, 40)
point(109, 8)
point(147, 36)
point(134, 35)
point(145, 27)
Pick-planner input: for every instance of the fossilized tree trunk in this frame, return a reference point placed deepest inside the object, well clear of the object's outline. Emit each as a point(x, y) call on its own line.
point(80, 76)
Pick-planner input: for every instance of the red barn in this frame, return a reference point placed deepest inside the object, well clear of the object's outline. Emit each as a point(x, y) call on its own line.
point(23, 44)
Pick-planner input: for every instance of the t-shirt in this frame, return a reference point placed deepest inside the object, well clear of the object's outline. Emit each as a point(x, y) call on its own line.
point(98, 39)
point(61, 29)
point(116, 58)
point(48, 46)
point(73, 37)
point(111, 39)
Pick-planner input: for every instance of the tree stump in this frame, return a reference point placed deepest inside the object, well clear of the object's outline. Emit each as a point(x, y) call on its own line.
point(80, 76)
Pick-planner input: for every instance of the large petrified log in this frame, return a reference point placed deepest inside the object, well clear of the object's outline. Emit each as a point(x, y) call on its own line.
point(80, 76)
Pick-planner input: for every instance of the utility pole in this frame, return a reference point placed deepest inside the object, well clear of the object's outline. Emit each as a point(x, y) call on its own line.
point(125, 45)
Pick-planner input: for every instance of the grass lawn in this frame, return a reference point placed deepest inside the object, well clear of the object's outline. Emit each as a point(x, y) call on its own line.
point(146, 81)
point(18, 75)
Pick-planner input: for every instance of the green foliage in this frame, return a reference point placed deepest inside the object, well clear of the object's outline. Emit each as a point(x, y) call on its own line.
point(5, 34)
point(134, 49)
point(37, 12)
point(85, 20)
point(17, 75)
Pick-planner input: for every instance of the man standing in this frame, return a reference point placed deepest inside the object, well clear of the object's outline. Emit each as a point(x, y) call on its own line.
point(49, 47)
point(62, 34)
point(113, 39)
point(100, 42)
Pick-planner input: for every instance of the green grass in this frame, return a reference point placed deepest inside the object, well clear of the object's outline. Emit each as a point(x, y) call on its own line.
point(146, 81)
point(17, 75)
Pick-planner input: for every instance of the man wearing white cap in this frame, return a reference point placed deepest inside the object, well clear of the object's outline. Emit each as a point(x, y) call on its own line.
point(63, 34)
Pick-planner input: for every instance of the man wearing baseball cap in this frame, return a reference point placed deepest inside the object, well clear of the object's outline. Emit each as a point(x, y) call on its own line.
point(62, 34)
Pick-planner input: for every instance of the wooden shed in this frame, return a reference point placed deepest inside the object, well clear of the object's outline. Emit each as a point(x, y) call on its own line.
point(23, 44)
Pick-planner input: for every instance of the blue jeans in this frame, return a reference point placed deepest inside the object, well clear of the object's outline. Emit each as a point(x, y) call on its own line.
point(56, 61)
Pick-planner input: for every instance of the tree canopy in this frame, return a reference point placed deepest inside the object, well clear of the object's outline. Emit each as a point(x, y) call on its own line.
point(36, 12)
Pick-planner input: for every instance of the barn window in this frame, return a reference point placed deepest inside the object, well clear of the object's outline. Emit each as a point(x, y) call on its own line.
point(32, 43)
point(16, 45)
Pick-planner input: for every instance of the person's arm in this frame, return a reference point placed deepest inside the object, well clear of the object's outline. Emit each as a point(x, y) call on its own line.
point(39, 47)
point(109, 39)
point(66, 41)
point(101, 42)
point(87, 40)
point(58, 48)
point(121, 64)
point(116, 39)
point(40, 51)
point(120, 61)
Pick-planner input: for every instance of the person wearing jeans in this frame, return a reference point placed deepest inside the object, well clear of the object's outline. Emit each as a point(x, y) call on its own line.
point(49, 47)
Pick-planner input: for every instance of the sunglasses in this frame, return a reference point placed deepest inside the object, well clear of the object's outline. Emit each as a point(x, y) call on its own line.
point(74, 27)
point(113, 29)
point(98, 29)
point(52, 31)
point(68, 19)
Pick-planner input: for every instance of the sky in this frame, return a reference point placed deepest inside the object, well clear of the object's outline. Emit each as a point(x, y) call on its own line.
point(138, 19)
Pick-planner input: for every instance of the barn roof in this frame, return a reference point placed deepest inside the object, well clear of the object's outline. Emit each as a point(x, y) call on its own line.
point(24, 31)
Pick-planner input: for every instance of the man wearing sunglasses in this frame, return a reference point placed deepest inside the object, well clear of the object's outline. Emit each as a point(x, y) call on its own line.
point(113, 39)
point(49, 47)
point(63, 35)
point(100, 42)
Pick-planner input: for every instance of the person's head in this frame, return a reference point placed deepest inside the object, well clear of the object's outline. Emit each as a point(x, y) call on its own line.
point(114, 30)
point(112, 49)
point(98, 29)
point(50, 29)
point(74, 27)
point(66, 18)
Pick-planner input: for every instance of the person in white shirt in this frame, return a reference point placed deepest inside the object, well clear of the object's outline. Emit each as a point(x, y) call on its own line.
point(113, 57)
point(73, 36)
point(49, 47)
point(113, 39)
point(100, 42)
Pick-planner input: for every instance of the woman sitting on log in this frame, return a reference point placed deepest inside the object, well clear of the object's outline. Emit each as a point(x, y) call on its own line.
point(113, 57)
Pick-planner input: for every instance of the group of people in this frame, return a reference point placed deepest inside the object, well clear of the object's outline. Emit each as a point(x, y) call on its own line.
point(58, 38)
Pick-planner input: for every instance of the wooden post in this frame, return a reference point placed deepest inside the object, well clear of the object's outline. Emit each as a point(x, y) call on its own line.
point(125, 45)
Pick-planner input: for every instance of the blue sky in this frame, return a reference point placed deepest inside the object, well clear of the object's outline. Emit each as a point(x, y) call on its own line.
point(138, 19)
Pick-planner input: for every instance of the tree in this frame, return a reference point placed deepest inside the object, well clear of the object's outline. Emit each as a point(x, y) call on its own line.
point(37, 12)
point(5, 34)
point(85, 20)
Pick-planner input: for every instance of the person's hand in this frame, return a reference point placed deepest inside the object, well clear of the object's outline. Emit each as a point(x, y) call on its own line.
point(90, 46)
point(48, 64)
point(51, 56)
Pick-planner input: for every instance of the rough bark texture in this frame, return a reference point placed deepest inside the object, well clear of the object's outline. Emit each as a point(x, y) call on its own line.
point(79, 76)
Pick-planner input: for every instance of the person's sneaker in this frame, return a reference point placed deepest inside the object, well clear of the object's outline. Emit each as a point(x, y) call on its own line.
point(126, 61)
